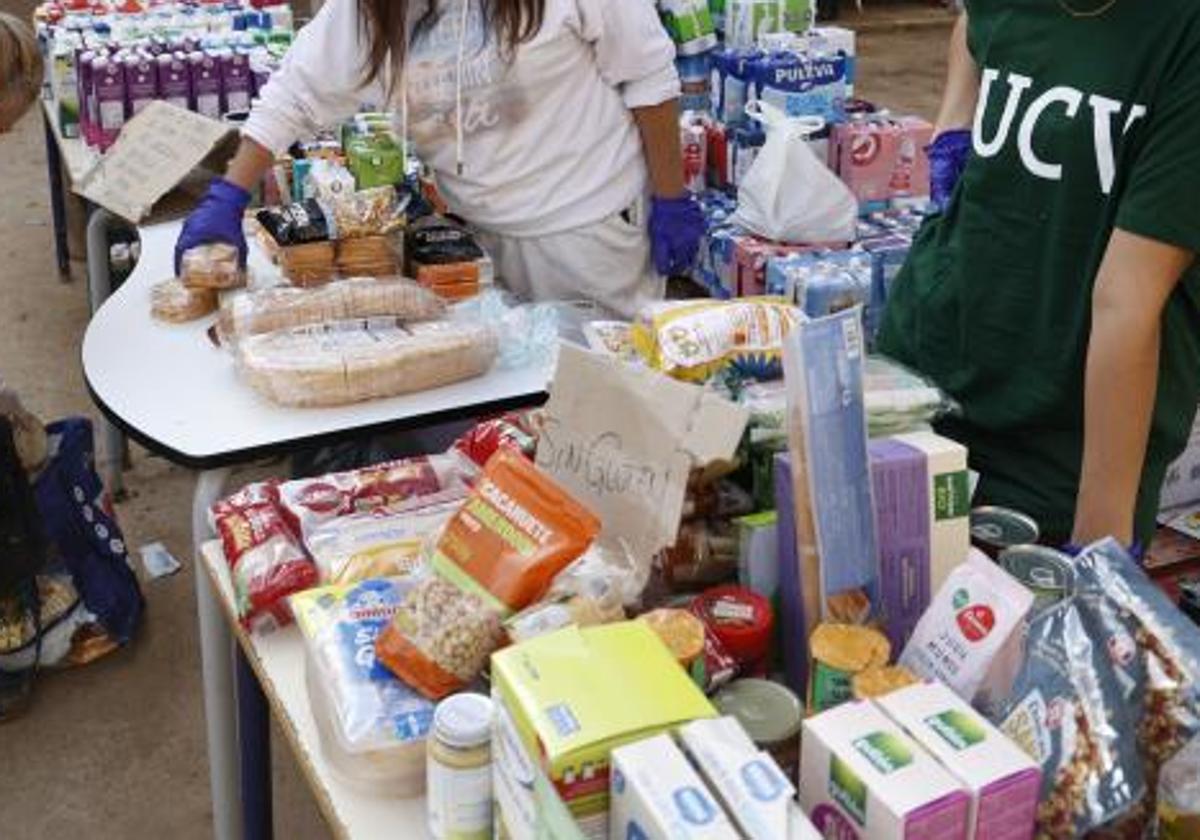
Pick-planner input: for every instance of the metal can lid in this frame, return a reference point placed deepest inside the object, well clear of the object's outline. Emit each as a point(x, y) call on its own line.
point(1003, 527)
point(769, 712)
point(463, 721)
point(1038, 567)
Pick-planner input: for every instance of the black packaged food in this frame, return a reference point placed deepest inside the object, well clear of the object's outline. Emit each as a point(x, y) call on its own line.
point(1108, 693)
point(439, 241)
point(296, 224)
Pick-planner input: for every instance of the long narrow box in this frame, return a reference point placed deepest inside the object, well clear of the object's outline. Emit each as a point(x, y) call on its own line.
point(861, 776)
point(949, 502)
point(1002, 780)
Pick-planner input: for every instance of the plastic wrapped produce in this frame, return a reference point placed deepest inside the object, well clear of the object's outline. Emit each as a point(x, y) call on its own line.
point(353, 361)
point(175, 303)
point(268, 310)
point(373, 727)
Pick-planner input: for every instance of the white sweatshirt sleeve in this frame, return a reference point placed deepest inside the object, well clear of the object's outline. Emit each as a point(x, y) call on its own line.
point(633, 50)
point(319, 82)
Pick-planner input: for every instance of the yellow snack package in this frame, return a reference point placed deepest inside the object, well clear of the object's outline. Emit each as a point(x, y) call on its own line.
point(839, 653)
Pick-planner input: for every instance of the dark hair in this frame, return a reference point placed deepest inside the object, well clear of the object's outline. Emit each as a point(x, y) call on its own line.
point(513, 21)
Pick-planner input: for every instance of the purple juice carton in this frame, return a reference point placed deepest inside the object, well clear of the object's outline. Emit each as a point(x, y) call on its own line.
point(206, 84)
point(175, 80)
point(141, 81)
point(237, 81)
point(108, 85)
point(88, 122)
point(901, 496)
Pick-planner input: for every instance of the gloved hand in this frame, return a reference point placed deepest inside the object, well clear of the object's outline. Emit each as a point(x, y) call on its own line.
point(217, 218)
point(676, 227)
point(948, 155)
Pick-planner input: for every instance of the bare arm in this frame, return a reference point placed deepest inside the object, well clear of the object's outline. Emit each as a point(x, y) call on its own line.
point(249, 164)
point(659, 127)
point(1121, 382)
point(962, 83)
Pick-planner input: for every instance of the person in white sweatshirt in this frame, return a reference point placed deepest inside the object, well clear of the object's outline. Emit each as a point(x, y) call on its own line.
point(548, 123)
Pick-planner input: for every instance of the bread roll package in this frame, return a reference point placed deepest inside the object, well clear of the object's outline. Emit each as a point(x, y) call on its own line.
point(175, 303)
point(213, 266)
point(353, 361)
point(285, 307)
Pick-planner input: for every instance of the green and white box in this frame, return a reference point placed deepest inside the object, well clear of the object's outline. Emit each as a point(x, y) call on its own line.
point(1003, 781)
point(657, 795)
point(949, 502)
point(861, 776)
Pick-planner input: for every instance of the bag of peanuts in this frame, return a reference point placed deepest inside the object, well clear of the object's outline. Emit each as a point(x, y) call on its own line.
point(498, 554)
point(1108, 693)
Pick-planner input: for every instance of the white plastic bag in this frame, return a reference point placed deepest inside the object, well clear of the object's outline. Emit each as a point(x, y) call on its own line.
point(789, 195)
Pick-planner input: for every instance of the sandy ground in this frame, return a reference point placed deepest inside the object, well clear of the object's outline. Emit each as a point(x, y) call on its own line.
point(116, 750)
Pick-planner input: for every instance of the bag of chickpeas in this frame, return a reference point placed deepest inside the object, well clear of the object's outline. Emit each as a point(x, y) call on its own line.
point(498, 554)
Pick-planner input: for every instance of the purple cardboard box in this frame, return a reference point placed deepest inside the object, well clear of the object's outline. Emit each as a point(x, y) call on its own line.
point(175, 80)
point(88, 124)
point(108, 84)
point(141, 81)
point(791, 600)
point(901, 493)
point(206, 84)
point(237, 81)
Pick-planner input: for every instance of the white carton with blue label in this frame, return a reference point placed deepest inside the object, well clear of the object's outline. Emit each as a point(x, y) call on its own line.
point(657, 795)
point(757, 795)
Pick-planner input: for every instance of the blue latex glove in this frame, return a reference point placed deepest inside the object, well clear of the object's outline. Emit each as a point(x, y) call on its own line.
point(948, 155)
point(217, 218)
point(676, 227)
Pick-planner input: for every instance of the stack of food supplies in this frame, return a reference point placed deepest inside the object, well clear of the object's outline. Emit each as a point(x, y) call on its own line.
point(205, 271)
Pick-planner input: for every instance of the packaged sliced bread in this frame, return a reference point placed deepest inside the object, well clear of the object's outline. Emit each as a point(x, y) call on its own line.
point(285, 307)
point(354, 361)
point(175, 303)
point(213, 266)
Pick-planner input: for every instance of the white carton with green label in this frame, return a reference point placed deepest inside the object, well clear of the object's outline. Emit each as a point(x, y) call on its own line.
point(757, 795)
point(861, 776)
point(1002, 780)
point(657, 795)
point(949, 502)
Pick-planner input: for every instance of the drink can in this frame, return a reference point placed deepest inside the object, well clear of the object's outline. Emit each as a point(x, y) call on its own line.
point(1049, 574)
point(694, 143)
point(996, 529)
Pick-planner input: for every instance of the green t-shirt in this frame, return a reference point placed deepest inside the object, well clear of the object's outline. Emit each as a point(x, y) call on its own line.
point(1084, 124)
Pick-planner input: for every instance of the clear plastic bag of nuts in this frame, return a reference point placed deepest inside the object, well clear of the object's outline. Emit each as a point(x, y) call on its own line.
point(441, 637)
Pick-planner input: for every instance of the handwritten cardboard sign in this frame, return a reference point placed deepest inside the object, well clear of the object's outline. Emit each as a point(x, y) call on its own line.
point(156, 152)
point(623, 439)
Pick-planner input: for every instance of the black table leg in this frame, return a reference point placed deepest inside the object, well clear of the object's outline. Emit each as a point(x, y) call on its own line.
point(58, 207)
point(254, 738)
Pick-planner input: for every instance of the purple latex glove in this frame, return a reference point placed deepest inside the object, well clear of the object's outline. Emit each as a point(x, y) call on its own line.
point(217, 218)
point(676, 227)
point(948, 155)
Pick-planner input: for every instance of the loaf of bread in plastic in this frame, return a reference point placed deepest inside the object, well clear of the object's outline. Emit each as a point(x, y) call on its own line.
point(175, 303)
point(212, 266)
point(285, 307)
point(354, 361)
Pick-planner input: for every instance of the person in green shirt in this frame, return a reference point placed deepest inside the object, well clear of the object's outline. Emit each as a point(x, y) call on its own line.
point(1056, 297)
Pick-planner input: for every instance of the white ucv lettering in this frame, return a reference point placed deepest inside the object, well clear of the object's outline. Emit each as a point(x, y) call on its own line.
point(1103, 111)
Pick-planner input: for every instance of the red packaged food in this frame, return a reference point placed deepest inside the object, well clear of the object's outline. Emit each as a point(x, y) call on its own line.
point(265, 557)
point(515, 430)
point(743, 621)
point(394, 485)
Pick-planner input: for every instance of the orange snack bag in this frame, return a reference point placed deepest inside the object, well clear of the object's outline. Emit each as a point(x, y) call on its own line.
point(499, 554)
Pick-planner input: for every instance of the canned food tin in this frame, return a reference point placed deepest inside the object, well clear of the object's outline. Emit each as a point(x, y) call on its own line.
point(995, 529)
point(1049, 574)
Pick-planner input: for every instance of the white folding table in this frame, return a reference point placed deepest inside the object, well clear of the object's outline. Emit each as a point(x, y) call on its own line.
point(171, 389)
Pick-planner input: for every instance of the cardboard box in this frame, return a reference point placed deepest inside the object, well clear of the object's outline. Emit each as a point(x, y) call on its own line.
point(570, 698)
point(757, 795)
point(1002, 780)
point(861, 776)
point(657, 795)
point(882, 158)
point(949, 502)
point(902, 526)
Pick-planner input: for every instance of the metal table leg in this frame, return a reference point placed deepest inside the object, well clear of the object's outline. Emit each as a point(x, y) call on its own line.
point(115, 451)
point(254, 739)
point(216, 654)
point(58, 206)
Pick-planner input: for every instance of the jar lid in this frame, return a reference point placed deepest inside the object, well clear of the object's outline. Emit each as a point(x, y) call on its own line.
point(769, 712)
point(463, 721)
